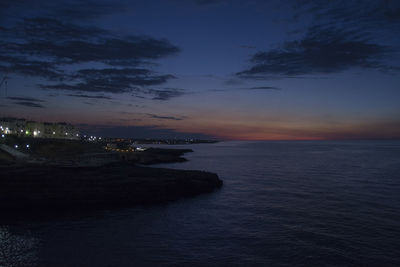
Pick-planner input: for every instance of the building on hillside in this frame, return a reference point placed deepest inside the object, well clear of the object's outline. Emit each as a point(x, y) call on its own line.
point(35, 129)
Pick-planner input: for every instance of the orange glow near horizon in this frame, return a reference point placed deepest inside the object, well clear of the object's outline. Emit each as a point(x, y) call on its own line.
point(226, 126)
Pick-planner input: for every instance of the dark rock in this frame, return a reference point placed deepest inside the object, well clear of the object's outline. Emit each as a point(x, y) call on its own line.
point(157, 155)
point(115, 185)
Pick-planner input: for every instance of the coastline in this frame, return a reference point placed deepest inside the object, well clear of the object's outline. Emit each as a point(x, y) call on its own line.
point(58, 188)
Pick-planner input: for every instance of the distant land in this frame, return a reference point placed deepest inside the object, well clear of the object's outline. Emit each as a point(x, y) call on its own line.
point(46, 171)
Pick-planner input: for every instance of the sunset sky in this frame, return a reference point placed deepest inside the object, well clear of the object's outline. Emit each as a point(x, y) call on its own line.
point(227, 69)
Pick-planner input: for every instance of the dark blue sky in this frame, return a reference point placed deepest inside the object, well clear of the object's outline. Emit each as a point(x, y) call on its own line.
point(229, 69)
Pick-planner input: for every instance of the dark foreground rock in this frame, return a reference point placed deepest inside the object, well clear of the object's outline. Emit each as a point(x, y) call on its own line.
point(157, 155)
point(115, 185)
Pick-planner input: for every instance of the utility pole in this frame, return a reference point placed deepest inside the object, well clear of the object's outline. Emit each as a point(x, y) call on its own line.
point(4, 81)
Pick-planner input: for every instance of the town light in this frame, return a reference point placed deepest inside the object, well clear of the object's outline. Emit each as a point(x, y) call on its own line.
point(54, 132)
point(26, 132)
point(35, 133)
point(27, 146)
point(2, 135)
point(16, 146)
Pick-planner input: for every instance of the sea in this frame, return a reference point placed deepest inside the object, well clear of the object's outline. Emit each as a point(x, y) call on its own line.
point(283, 203)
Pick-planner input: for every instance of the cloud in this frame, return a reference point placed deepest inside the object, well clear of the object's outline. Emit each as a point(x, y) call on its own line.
point(340, 35)
point(130, 120)
point(130, 49)
point(166, 93)
point(45, 28)
point(262, 88)
point(321, 51)
point(98, 73)
point(21, 65)
point(29, 99)
point(112, 83)
point(29, 104)
point(91, 96)
point(67, 9)
point(393, 15)
point(363, 15)
point(89, 9)
point(154, 116)
point(54, 50)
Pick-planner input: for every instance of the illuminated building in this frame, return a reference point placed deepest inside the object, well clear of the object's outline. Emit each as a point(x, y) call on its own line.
point(35, 129)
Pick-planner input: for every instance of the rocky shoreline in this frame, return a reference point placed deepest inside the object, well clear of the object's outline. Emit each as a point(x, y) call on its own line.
point(159, 155)
point(40, 187)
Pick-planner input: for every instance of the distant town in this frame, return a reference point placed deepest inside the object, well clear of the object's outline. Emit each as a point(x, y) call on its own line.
point(61, 130)
point(25, 128)
point(54, 166)
point(63, 143)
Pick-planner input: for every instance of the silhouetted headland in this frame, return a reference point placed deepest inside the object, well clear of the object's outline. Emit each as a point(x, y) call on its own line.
point(75, 175)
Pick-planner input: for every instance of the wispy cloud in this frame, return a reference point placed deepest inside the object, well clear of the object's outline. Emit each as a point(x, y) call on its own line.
point(154, 116)
point(29, 99)
point(341, 35)
point(29, 104)
point(65, 9)
point(262, 88)
point(166, 93)
point(321, 51)
point(111, 83)
point(90, 96)
point(46, 47)
point(361, 15)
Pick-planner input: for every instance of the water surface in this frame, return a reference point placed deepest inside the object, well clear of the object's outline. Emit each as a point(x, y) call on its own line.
point(282, 204)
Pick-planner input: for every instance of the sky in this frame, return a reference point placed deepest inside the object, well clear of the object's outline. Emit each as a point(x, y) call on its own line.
point(225, 69)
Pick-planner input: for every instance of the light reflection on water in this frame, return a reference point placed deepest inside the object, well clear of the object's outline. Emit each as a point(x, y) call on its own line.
point(17, 250)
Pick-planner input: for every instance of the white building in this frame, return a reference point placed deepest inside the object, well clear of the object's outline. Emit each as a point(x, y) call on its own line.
point(23, 127)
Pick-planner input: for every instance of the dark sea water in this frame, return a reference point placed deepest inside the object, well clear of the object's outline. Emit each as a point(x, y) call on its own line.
point(282, 204)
